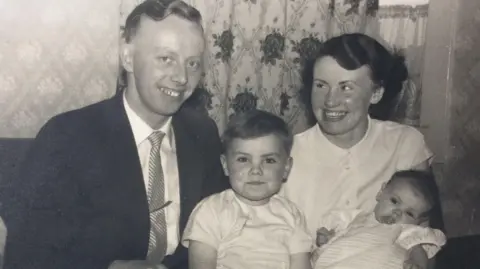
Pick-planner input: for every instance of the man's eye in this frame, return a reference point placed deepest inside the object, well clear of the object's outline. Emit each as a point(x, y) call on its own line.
point(194, 65)
point(165, 59)
point(394, 201)
point(410, 214)
point(346, 88)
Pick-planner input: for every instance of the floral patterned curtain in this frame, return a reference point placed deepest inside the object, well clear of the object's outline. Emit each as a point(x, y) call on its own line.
point(256, 49)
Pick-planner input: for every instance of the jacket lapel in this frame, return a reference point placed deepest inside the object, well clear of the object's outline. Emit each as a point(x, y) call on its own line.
point(190, 166)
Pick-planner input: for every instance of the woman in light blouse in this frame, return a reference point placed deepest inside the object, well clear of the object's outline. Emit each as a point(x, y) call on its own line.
point(343, 160)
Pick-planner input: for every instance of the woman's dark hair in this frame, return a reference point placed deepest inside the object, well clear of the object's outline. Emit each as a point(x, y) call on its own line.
point(352, 51)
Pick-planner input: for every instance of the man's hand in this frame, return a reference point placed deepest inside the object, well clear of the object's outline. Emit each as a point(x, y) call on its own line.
point(323, 236)
point(120, 264)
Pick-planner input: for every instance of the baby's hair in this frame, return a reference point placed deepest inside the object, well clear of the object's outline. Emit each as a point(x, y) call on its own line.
point(257, 123)
point(423, 182)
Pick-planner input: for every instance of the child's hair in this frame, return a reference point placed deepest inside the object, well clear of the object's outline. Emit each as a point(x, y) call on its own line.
point(257, 123)
point(422, 181)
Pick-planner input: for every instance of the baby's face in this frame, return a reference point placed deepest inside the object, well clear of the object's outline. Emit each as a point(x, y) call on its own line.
point(257, 167)
point(400, 203)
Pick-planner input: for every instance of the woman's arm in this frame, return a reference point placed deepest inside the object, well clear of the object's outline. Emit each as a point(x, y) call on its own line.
point(299, 261)
point(201, 256)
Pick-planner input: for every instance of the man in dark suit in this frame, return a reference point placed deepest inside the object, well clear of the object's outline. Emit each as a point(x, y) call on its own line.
point(111, 185)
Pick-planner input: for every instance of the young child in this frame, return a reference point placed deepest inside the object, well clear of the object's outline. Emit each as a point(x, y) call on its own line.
point(382, 239)
point(249, 226)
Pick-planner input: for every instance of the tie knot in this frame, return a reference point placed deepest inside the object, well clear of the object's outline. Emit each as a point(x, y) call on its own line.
point(155, 138)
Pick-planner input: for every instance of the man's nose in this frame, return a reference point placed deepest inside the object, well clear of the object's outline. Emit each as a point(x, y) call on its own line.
point(180, 75)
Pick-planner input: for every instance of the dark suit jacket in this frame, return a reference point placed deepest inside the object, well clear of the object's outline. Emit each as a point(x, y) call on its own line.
point(80, 199)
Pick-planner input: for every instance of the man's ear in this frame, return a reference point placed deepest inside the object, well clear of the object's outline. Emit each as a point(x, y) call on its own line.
point(223, 160)
point(126, 55)
point(288, 168)
point(377, 95)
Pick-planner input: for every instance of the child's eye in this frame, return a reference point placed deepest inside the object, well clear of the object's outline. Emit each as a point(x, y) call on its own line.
point(242, 159)
point(394, 201)
point(271, 160)
point(320, 85)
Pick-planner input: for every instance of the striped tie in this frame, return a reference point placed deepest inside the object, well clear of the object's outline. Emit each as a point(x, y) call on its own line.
point(157, 245)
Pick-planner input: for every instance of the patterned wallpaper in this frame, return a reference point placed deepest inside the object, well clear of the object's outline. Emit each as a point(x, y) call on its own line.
point(55, 55)
point(462, 171)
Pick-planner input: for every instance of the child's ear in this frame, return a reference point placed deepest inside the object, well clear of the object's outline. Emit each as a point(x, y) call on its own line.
point(288, 167)
point(223, 160)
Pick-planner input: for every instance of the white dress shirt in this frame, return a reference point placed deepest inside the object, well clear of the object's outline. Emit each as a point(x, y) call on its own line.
point(141, 131)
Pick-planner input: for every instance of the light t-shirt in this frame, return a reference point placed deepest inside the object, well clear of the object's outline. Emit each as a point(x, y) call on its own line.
point(325, 177)
point(361, 242)
point(249, 237)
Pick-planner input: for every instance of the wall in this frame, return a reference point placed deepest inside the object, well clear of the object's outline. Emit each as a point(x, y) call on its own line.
point(403, 2)
point(55, 55)
point(451, 109)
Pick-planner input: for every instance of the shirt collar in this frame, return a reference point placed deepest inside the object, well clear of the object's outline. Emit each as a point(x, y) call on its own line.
point(141, 130)
point(317, 133)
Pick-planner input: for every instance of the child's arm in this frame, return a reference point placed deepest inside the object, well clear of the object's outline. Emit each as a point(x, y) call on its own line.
point(201, 256)
point(298, 261)
point(422, 244)
point(417, 258)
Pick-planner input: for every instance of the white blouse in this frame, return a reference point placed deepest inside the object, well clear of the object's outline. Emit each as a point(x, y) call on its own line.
point(325, 177)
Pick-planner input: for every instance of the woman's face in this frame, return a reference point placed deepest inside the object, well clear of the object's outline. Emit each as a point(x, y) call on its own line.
point(341, 97)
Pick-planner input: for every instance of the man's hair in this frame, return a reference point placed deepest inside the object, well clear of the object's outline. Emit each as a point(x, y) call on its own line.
point(423, 182)
point(158, 10)
point(257, 123)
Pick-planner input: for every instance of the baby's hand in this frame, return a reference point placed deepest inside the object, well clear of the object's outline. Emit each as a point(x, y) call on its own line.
point(410, 264)
point(323, 236)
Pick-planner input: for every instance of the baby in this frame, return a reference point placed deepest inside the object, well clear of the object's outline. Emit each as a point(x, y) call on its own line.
point(383, 238)
point(249, 226)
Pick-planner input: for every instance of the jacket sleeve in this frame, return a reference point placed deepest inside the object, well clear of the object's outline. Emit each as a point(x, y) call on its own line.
point(43, 215)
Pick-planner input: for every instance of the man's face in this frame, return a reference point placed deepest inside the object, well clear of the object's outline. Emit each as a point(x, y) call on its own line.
point(256, 167)
point(164, 61)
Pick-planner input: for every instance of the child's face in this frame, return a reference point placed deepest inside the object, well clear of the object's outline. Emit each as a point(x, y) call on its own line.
point(399, 202)
point(257, 167)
